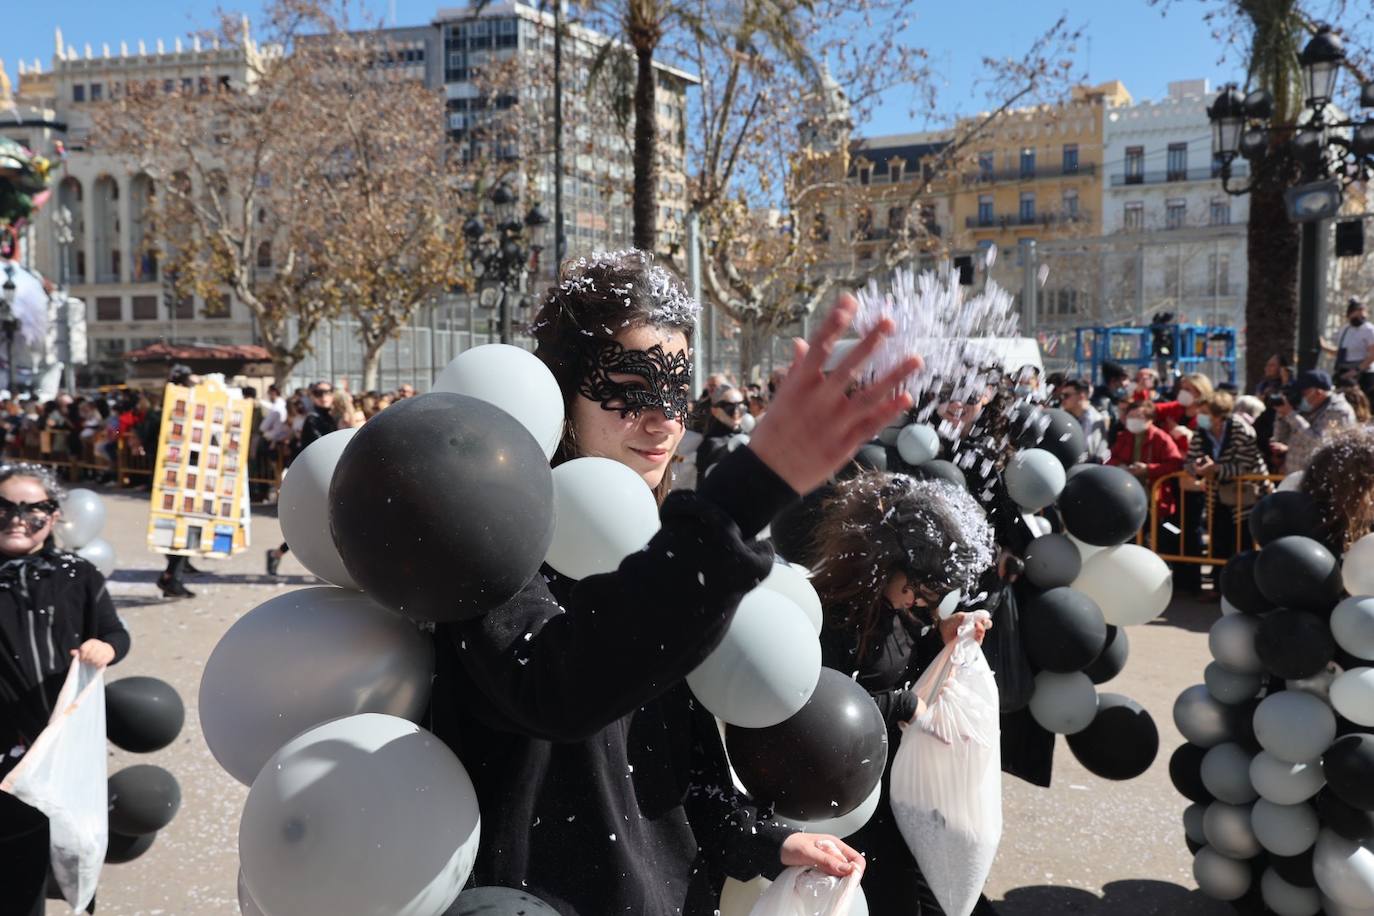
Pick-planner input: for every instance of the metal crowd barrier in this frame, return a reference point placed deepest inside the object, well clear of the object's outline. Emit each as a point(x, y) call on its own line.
point(1186, 483)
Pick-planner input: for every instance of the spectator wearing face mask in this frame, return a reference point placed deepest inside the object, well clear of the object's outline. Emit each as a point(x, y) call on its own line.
point(1321, 413)
point(1354, 348)
point(1150, 453)
point(1113, 390)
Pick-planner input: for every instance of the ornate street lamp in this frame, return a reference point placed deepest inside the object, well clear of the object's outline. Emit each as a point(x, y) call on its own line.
point(9, 323)
point(507, 255)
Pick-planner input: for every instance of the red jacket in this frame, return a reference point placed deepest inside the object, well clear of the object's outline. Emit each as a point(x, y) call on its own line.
point(1160, 455)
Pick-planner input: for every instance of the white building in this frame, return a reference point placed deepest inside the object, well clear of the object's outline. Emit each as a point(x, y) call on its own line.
point(1164, 209)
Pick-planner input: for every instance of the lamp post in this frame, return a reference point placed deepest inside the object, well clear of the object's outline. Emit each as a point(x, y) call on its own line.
point(9, 323)
point(1332, 150)
point(505, 256)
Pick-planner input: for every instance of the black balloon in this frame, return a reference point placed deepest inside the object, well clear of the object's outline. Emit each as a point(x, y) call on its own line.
point(1064, 631)
point(498, 901)
point(871, 457)
point(1299, 573)
point(793, 529)
point(1238, 584)
point(442, 507)
point(1294, 644)
point(1112, 660)
point(1355, 824)
point(940, 469)
point(1348, 765)
point(1057, 432)
point(1121, 742)
point(121, 848)
point(143, 799)
point(1185, 771)
point(1284, 513)
point(821, 763)
point(1296, 870)
point(1103, 506)
point(142, 714)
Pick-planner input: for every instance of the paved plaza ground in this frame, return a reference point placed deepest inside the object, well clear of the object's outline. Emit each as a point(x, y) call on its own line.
point(1085, 846)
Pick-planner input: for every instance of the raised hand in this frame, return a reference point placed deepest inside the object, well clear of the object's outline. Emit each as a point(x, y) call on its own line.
point(816, 420)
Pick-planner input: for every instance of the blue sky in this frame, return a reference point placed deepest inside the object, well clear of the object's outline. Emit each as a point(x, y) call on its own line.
point(1129, 39)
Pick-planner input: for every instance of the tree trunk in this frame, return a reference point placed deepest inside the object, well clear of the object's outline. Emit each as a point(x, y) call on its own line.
point(282, 364)
point(646, 150)
point(372, 364)
point(1271, 289)
point(750, 349)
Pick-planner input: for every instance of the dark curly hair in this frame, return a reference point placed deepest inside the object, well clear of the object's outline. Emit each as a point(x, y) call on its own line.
point(1340, 477)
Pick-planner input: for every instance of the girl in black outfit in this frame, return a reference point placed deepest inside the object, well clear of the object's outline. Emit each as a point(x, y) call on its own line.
point(893, 548)
point(602, 783)
point(727, 409)
point(53, 606)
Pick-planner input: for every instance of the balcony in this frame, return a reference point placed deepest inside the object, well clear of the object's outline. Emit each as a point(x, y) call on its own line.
point(1206, 173)
point(1011, 221)
point(993, 176)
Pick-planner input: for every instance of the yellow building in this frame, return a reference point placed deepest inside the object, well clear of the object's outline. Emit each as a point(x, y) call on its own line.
point(1035, 173)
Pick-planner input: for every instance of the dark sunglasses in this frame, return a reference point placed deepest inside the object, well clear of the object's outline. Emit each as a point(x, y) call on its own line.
point(730, 407)
point(33, 515)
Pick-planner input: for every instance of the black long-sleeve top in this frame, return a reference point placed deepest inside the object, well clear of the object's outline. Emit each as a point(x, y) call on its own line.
point(50, 603)
point(602, 783)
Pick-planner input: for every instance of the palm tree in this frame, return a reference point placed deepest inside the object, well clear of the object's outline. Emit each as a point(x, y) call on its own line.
point(644, 25)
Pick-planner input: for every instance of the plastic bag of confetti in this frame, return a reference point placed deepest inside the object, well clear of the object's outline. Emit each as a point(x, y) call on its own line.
point(808, 892)
point(63, 775)
point(946, 780)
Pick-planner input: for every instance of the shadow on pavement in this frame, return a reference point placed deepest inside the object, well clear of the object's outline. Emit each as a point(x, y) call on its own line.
point(210, 577)
point(1120, 898)
point(1188, 613)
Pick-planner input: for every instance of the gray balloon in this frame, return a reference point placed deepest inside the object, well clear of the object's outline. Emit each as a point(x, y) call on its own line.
point(1285, 783)
point(1228, 686)
point(83, 515)
point(1287, 899)
point(1219, 877)
point(304, 658)
point(1232, 642)
point(498, 901)
point(1294, 726)
point(1284, 830)
point(303, 508)
point(918, 443)
point(1226, 774)
point(1034, 478)
point(1201, 719)
point(1063, 703)
point(99, 554)
point(246, 905)
point(1228, 830)
point(1053, 561)
point(1192, 822)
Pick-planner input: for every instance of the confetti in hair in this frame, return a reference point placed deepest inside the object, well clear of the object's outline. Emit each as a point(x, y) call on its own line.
point(671, 305)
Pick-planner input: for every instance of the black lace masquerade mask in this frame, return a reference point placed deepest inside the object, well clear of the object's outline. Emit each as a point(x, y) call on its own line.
point(661, 382)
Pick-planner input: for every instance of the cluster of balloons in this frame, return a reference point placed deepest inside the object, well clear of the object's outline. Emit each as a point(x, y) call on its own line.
point(1279, 764)
point(79, 527)
point(142, 715)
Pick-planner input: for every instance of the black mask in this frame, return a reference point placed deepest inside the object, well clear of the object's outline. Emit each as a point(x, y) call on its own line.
point(1357, 321)
point(33, 515)
point(667, 380)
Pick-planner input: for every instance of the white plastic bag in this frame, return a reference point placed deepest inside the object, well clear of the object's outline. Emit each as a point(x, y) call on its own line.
point(807, 892)
point(63, 775)
point(946, 780)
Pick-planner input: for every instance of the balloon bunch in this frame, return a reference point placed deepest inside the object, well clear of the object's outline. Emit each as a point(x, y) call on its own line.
point(142, 715)
point(78, 530)
point(439, 509)
point(1279, 764)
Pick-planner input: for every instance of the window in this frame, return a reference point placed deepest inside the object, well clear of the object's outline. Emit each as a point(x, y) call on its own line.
point(217, 305)
point(170, 479)
point(207, 506)
point(223, 83)
point(1027, 211)
point(1173, 268)
point(169, 86)
point(188, 504)
point(197, 434)
point(186, 84)
point(1134, 217)
point(169, 502)
point(97, 92)
point(108, 308)
point(204, 85)
point(1070, 203)
point(1221, 212)
point(183, 307)
point(985, 168)
point(79, 92)
point(1135, 165)
point(1218, 274)
point(1178, 162)
point(219, 415)
point(896, 219)
point(894, 170)
point(200, 411)
point(190, 481)
point(1175, 213)
point(179, 410)
point(145, 308)
point(226, 509)
point(1028, 163)
point(985, 213)
point(1070, 158)
point(1063, 302)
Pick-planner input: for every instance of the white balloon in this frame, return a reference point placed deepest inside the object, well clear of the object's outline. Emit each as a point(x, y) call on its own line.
point(1292, 482)
point(303, 508)
point(602, 512)
point(1285, 783)
point(1332, 908)
point(1288, 899)
point(918, 443)
point(1352, 695)
point(1352, 624)
point(1294, 726)
point(364, 814)
point(1344, 870)
point(737, 898)
point(303, 658)
point(1063, 703)
point(1284, 830)
point(1226, 774)
point(1039, 525)
point(83, 516)
point(516, 381)
point(1232, 643)
point(747, 423)
point(1357, 569)
point(1219, 877)
point(1227, 608)
point(845, 825)
point(765, 668)
point(1034, 478)
point(1087, 550)
point(1228, 830)
point(1228, 686)
point(792, 580)
point(246, 905)
point(1130, 583)
point(99, 554)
